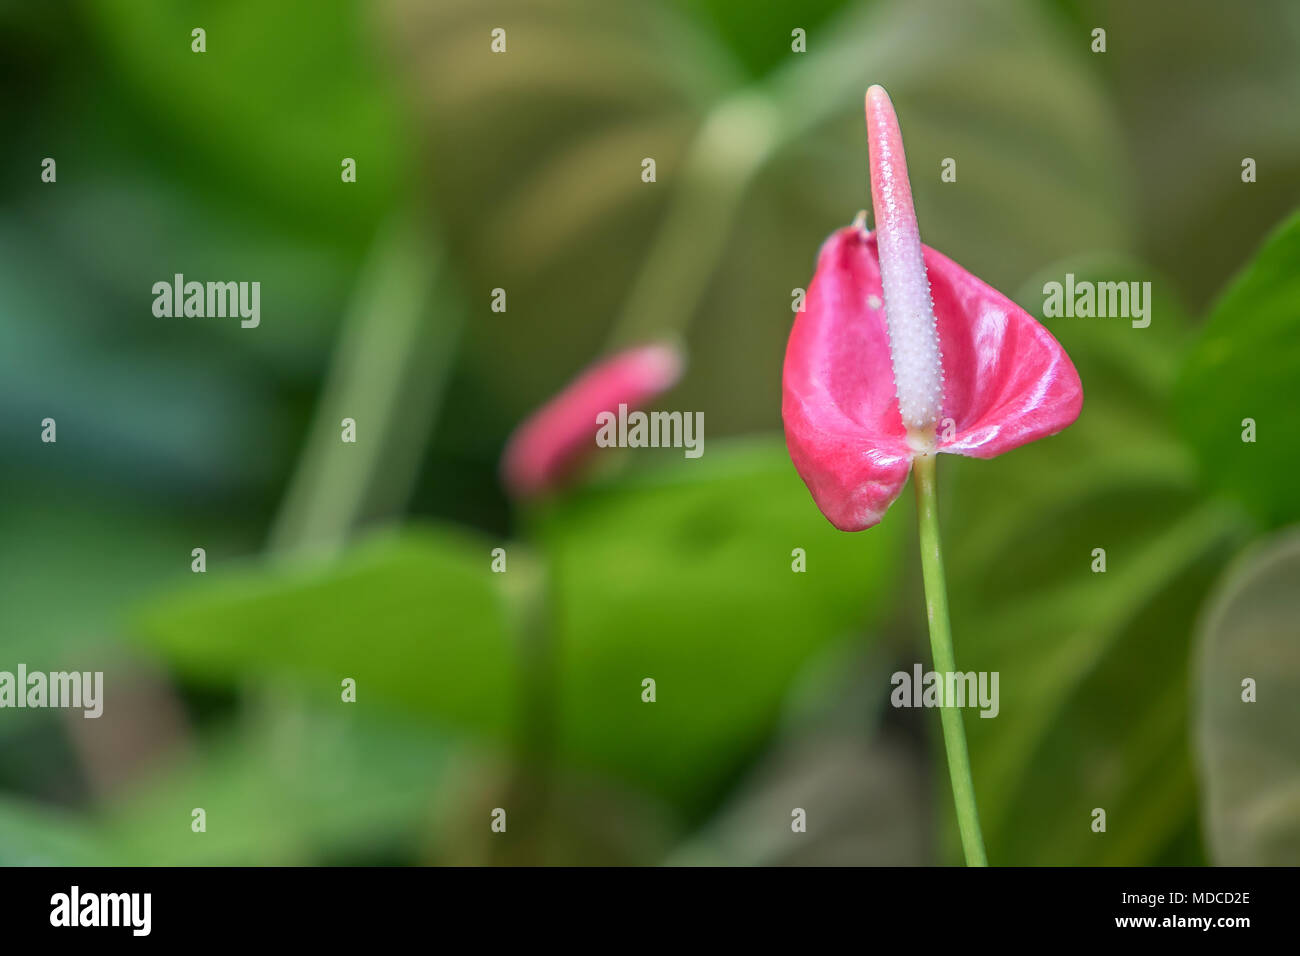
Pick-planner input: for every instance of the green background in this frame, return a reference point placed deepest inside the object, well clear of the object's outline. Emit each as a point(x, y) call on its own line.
point(475, 171)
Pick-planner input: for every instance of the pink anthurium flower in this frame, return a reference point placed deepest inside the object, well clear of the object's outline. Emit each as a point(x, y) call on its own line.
point(901, 352)
point(550, 444)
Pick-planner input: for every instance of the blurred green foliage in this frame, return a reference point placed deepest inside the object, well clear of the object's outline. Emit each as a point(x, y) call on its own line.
point(1246, 681)
point(522, 171)
point(685, 575)
point(419, 620)
point(413, 619)
point(1093, 665)
point(1239, 382)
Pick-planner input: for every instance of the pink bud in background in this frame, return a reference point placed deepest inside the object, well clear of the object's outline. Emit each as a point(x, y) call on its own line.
point(900, 351)
point(550, 444)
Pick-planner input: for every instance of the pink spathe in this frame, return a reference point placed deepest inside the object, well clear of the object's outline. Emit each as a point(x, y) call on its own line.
point(548, 446)
point(868, 343)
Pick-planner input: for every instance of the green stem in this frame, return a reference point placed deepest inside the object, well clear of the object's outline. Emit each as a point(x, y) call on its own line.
point(936, 605)
point(528, 787)
point(720, 164)
point(390, 365)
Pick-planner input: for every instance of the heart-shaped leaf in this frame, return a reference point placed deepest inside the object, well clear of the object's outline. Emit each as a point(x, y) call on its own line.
point(1246, 695)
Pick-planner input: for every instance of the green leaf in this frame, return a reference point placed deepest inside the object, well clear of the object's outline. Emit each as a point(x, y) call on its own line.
point(325, 785)
point(1243, 367)
point(683, 574)
point(1093, 682)
point(36, 836)
point(71, 565)
point(1249, 752)
point(416, 618)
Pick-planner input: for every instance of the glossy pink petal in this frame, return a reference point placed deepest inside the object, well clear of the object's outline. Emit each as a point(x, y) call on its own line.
point(549, 445)
point(1006, 379)
point(842, 424)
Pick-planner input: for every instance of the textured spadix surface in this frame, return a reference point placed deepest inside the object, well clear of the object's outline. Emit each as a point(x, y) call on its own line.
point(909, 311)
point(1006, 379)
